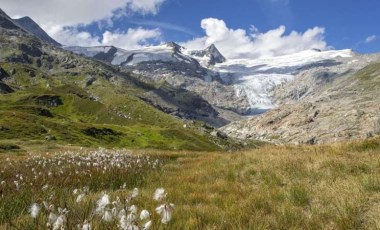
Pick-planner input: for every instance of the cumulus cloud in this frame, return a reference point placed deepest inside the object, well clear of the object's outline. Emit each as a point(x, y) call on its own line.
point(73, 12)
point(238, 43)
point(62, 18)
point(370, 39)
point(145, 6)
point(131, 39)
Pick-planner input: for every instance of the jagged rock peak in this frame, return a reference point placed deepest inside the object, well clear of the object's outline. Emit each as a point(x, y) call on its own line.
point(32, 27)
point(174, 45)
point(7, 23)
point(215, 54)
point(2, 13)
point(211, 53)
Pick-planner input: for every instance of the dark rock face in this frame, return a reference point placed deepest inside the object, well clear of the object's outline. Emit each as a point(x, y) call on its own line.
point(212, 53)
point(6, 22)
point(4, 88)
point(49, 100)
point(3, 74)
point(31, 50)
point(102, 134)
point(106, 56)
point(30, 26)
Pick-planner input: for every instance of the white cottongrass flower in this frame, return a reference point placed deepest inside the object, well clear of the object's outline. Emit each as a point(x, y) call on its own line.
point(133, 209)
point(34, 210)
point(165, 211)
point(159, 194)
point(107, 216)
point(125, 223)
point(144, 215)
point(80, 198)
point(86, 225)
point(45, 187)
point(131, 217)
point(52, 218)
point(60, 223)
point(147, 225)
point(102, 203)
point(135, 193)
point(17, 185)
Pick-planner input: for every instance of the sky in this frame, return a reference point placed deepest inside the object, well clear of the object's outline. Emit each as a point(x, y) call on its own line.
point(239, 28)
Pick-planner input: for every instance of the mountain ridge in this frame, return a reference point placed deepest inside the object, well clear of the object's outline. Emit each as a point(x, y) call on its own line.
point(284, 99)
point(32, 27)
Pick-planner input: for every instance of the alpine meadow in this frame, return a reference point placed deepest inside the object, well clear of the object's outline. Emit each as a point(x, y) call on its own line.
point(125, 115)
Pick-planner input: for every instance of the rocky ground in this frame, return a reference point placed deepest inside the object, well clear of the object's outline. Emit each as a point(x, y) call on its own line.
point(322, 104)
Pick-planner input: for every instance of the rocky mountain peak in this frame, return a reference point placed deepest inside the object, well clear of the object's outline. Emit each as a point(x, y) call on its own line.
point(211, 53)
point(32, 27)
point(6, 22)
point(174, 46)
point(215, 54)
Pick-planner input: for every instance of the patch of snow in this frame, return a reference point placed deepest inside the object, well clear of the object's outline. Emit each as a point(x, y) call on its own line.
point(255, 79)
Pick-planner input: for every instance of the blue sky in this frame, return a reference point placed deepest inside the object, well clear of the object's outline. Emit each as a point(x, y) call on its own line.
point(347, 22)
point(341, 24)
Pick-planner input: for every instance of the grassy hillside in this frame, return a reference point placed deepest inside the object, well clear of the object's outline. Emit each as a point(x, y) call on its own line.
point(49, 96)
point(273, 187)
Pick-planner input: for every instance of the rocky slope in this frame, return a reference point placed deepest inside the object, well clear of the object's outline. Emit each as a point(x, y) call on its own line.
point(325, 102)
point(309, 97)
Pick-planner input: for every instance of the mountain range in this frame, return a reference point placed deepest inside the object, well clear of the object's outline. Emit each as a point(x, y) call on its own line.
point(308, 97)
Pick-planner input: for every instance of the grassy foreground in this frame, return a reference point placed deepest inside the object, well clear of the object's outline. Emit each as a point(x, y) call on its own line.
point(273, 187)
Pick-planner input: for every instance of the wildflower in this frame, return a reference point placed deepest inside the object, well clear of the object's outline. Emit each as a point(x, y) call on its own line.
point(126, 224)
point(34, 210)
point(133, 209)
point(131, 217)
point(86, 225)
point(107, 216)
point(52, 218)
point(17, 185)
point(159, 194)
point(135, 193)
point(147, 225)
point(165, 211)
point(144, 215)
point(102, 203)
point(59, 223)
point(80, 198)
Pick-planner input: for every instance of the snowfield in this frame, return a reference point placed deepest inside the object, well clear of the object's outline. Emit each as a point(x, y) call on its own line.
point(256, 78)
point(252, 79)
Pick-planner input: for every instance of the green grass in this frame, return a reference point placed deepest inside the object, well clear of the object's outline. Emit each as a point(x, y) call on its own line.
point(274, 187)
point(132, 123)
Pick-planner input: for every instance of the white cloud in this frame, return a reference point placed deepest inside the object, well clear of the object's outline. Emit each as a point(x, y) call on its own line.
point(145, 6)
point(238, 43)
point(370, 39)
point(61, 18)
point(132, 39)
point(74, 12)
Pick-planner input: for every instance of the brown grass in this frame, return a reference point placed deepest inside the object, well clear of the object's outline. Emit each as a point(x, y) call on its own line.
point(274, 187)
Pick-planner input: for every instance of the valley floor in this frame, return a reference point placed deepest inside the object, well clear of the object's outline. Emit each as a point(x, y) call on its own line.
point(273, 187)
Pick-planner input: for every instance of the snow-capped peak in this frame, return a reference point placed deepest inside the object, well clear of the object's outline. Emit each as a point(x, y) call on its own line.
point(208, 56)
